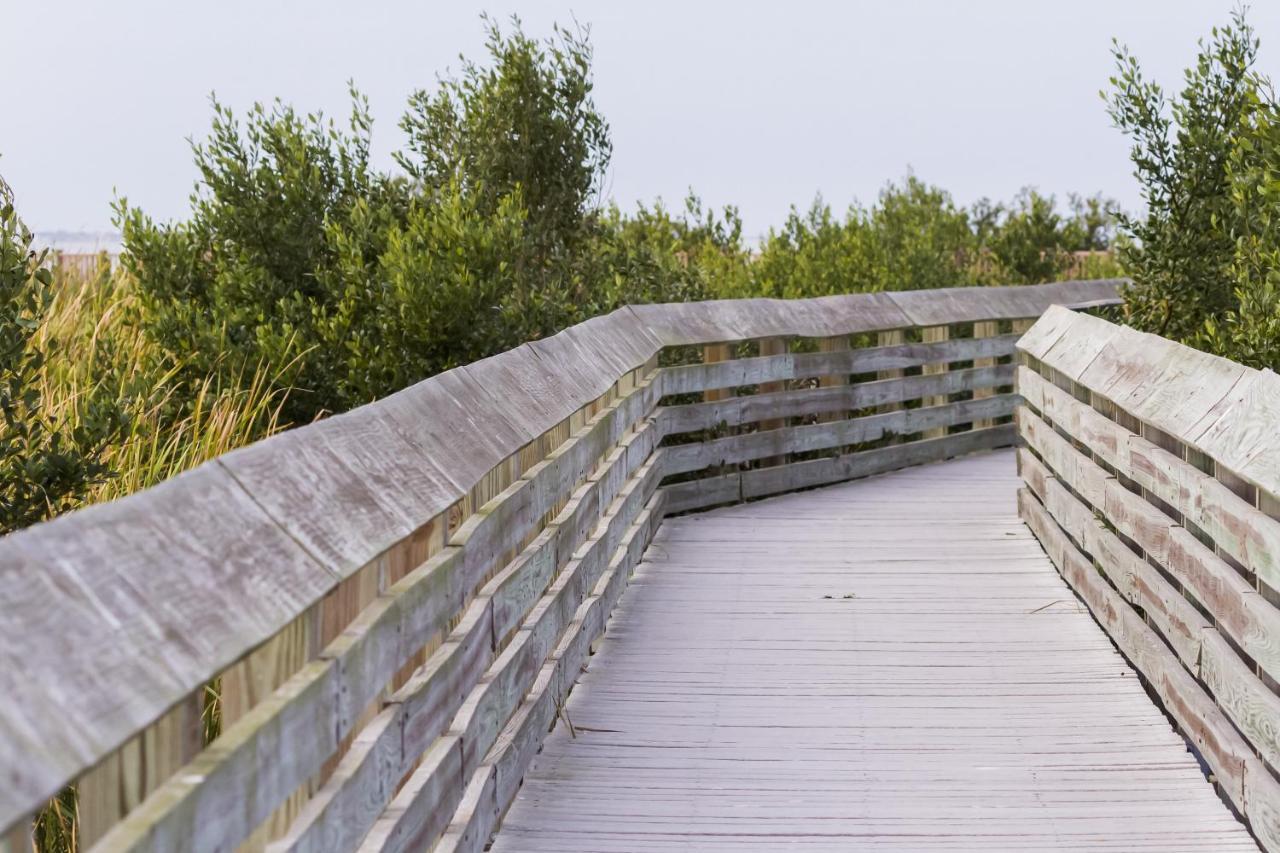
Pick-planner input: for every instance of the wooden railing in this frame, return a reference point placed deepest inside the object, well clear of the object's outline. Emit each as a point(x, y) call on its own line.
point(1153, 481)
point(385, 610)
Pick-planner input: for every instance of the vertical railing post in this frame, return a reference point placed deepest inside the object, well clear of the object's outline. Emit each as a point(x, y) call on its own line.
point(839, 343)
point(772, 347)
point(930, 335)
point(712, 353)
point(984, 329)
point(892, 338)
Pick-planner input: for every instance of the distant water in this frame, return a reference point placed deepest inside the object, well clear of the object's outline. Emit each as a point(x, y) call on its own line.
point(79, 242)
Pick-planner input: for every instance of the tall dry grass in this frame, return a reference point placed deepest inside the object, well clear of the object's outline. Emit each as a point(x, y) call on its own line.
point(97, 349)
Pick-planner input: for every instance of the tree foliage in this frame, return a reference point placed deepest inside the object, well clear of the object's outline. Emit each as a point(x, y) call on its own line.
point(1181, 251)
point(1205, 258)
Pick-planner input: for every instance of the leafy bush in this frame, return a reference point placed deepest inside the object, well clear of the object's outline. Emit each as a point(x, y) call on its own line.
point(1206, 258)
point(298, 254)
point(1181, 252)
point(916, 237)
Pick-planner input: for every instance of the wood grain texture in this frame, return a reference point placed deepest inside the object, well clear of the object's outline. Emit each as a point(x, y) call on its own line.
point(697, 323)
point(1242, 613)
point(1236, 526)
point(886, 664)
point(492, 703)
point(1202, 721)
point(694, 378)
point(800, 402)
point(936, 419)
point(1219, 408)
point(127, 640)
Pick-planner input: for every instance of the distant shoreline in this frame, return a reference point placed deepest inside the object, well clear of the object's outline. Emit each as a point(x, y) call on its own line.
point(79, 242)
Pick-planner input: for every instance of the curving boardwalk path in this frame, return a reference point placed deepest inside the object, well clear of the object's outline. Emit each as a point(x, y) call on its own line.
point(888, 664)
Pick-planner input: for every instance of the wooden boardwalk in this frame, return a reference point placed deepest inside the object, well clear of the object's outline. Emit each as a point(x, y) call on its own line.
point(887, 664)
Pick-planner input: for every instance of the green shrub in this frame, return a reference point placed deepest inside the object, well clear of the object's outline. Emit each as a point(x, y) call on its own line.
point(1180, 253)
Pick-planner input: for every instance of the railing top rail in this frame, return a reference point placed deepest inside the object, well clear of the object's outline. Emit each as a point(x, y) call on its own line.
point(155, 593)
point(826, 316)
point(1222, 409)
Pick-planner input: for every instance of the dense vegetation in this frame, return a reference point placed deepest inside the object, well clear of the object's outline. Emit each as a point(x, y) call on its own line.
point(347, 283)
point(1205, 257)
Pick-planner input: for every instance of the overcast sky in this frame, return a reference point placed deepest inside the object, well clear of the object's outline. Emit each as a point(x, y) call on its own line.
point(762, 105)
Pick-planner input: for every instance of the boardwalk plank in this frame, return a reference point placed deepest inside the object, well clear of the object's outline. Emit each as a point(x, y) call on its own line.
point(891, 664)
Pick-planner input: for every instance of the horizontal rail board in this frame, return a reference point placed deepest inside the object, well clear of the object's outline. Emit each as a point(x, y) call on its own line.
point(1242, 612)
point(775, 368)
point(1174, 616)
point(343, 811)
point(1240, 529)
point(420, 813)
point(354, 669)
point(682, 458)
point(799, 402)
point(1166, 479)
point(1246, 783)
point(493, 786)
point(761, 482)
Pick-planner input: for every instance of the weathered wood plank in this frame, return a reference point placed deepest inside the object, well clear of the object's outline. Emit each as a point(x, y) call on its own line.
point(759, 408)
point(903, 639)
point(1240, 529)
point(495, 782)
point(490, 703)
point(150, 603)
point(340, 814)
point(818, 472)
point(1242, 613)
point(1200, 719)
point(691, 378)
point(682, 458)
point(1180, 624)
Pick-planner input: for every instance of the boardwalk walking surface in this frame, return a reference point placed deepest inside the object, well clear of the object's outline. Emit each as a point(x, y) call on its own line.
point(887, 664)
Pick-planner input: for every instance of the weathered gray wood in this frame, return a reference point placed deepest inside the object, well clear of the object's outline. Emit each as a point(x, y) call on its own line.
point(969, 304)
point(344, 810)
point(819, 472)
point(690, 378)
point(347, 488)
point(822, 436)
point(440, 417)
point(1239, 528)
point(110, 615)
point(754, 408)
point(367, 655)
point(1225, 751)
point(512, 754)
point(889, 664)
point(695, 323)
point(490, 703)
point(1221, 409)
point(1242, 613)
point(1177, 620)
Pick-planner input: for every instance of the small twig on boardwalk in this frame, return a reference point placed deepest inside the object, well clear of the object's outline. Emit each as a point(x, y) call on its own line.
point(1050, 604)
point(564, 715)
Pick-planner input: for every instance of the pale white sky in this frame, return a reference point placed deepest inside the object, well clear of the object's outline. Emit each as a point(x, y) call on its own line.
point(758, 104)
